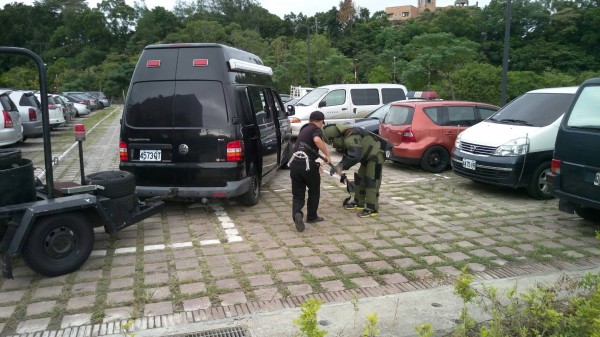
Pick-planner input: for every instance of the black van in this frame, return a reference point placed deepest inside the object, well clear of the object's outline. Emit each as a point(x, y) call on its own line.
point(575, 170)
point(202, 120)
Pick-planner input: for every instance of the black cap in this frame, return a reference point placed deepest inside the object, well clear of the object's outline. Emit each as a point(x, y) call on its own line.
point(317, 116)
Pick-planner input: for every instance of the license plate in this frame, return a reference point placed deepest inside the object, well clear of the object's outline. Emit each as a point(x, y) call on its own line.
point(388, 153)
point(597, 179)
point(150, 155)
point(469, 164)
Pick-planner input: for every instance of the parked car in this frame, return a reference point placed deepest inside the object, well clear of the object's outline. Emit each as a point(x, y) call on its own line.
point(371, 121)
point(93, 101)
point(29, 109)
point(202, 120)
point(514, 147)
point(79, 104)
point(70, 105)
point(66, 107)
point(575, 169)
point(55, 112)
point(11, 130)
point(423, 132)
point(103, 100)
point(343, 101)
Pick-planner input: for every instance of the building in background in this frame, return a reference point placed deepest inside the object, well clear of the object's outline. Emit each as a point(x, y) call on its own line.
point(400, 13)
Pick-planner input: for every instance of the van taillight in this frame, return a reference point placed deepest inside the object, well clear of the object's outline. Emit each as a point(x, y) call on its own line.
point(123, 156)
point(408, 136)
point(32, 115)
point(8, 123)
point(555, 166)
point(153, 63)
point(235, 151)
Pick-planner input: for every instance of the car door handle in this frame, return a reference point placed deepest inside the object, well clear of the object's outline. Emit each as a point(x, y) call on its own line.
point(344, 108)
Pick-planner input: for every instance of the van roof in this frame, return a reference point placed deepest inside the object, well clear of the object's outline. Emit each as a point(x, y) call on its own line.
point(363, 85)
point(561, 90)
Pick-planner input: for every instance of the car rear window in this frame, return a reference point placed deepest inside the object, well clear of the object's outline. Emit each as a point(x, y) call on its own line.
point(181, 104)
point(585, 111)
point(365, 96)
point(28, 100)
point(535, 109)
point(7, 103)
point(399, 115)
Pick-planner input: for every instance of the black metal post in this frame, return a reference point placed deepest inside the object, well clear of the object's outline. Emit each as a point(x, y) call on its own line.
point(81, 161)
point(506, 53)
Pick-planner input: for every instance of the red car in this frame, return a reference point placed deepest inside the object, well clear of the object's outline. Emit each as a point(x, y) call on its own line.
point(423, 132)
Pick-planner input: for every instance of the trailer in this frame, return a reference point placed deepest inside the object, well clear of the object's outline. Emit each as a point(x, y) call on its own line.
point(51, 225)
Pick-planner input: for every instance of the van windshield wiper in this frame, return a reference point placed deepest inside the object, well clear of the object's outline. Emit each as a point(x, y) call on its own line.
point(515, 121)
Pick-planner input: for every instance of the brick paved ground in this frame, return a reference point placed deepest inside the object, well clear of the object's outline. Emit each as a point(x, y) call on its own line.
point(196, 262)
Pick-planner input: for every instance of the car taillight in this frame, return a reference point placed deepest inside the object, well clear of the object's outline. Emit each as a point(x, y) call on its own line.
point(555, 166)
point(8, 123)
point(408, 136)
point(235, 151)
point(123, 156)
point(295, 120)
point(32, 115)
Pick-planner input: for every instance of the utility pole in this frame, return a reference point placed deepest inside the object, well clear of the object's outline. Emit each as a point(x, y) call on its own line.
point(394, 73)
point(506, 52)
point(308, 55)
point(355, 71)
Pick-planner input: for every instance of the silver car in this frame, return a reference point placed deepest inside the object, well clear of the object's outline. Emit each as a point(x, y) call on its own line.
point(29, 109)
point(103, 100)
point(54, 112)
point(11, 130)
point(79, 104)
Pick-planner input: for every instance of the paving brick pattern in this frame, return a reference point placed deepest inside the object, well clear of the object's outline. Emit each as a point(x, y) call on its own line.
point(429, 227)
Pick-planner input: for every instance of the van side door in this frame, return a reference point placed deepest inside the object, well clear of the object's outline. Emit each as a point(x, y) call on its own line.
point(263, 114)
point(284, 134)
point(334, 103)
point(365, 100)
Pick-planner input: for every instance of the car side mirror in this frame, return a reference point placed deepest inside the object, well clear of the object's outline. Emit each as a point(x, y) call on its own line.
point(290, 110)
point(322, 104)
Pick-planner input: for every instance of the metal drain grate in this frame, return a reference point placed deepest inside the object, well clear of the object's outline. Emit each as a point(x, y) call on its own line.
point(224, 332)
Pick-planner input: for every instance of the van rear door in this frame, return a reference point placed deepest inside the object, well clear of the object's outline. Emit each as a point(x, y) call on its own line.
point(580, 134)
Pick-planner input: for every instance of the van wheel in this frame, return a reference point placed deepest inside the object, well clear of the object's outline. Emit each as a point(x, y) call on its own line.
point(251, 197)
point(116, 184)
point(435, 159)
point(538, 187)
point(59, 244)
point(590, 214)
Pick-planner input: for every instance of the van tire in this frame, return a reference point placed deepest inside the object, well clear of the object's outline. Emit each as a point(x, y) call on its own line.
point(58, 244)
point(435, 160)
point(590, 214)
point(538, 187)
point(116, 184)
point(251, 197)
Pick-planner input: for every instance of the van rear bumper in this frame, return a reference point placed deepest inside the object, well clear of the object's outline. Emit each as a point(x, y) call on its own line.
point(568, 201)
point(232, 189)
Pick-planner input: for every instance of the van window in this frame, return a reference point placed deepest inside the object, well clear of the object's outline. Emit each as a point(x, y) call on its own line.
point(260, 105)
point(200, 104)
point(311, 97)
point(585, 111)
point(365, 96)
point(399, 115)
point(335, 97)
point(535, 109)
point(392, 94)
point(190, 104)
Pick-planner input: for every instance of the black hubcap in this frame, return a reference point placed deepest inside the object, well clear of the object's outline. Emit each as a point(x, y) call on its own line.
point(59, 242)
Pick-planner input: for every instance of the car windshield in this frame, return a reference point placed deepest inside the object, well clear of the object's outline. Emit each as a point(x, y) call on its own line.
point(534, 109)
point(379, 113)
point(312, 97)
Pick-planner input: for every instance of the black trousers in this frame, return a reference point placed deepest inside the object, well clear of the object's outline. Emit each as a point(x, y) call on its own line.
point(301, 180)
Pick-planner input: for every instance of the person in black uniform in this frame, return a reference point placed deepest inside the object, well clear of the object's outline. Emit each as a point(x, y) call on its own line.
point(305, 171)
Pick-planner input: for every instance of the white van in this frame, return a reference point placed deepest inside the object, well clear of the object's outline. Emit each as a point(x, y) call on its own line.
point(339, 101)
point(514, 146)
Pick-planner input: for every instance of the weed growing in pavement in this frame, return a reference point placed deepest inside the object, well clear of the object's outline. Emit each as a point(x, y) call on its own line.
point(371, 326)
point(354, 302)
point(307, 321)
point(126, 329)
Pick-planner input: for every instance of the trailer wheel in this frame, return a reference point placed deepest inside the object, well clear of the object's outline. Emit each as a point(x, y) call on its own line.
point(116, 184)
point(59, 244)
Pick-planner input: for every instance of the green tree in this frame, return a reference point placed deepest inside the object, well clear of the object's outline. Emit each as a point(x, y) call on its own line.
point(379, 74)
point(441, 53)
point(120, 18)
point(153, 27)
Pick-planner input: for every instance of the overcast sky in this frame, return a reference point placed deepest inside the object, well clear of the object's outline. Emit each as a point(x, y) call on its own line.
point(281, 7)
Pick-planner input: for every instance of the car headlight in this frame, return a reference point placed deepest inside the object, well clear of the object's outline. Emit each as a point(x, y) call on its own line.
point(515, 147)
point(457, 142)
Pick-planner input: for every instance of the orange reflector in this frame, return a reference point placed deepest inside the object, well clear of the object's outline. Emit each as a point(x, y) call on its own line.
point(153, 63)
point(200, 62)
